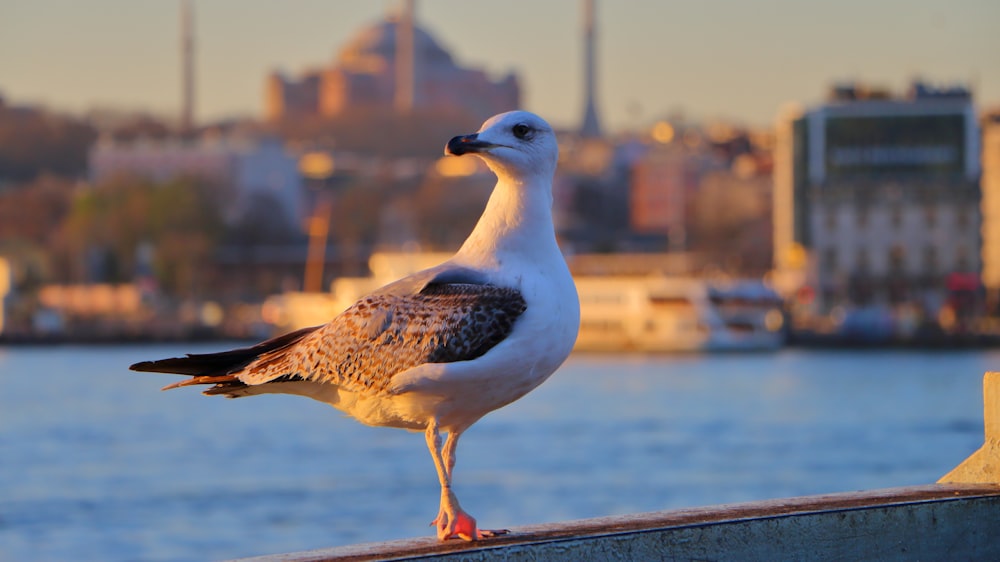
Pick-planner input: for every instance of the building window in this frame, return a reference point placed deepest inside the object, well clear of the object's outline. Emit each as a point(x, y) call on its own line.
point(830, 260)
point(861, 261)
point(897, 260)
point(930, 261)
point(962, 217)
point(896, 216)
point(962, 260)
point(930, 216)
point(862, 216)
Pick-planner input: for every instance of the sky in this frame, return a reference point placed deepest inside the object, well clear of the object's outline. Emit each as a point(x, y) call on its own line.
point(737, 60)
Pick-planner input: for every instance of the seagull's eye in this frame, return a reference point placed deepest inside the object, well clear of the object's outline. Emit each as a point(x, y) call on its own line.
point(522, 131)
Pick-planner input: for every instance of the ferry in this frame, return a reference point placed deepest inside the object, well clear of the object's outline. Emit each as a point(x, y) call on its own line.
point(677, 314)
point(645, 313)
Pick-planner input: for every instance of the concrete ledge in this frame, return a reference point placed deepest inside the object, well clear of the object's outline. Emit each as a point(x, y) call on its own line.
point(934, 522)
point(984, 465)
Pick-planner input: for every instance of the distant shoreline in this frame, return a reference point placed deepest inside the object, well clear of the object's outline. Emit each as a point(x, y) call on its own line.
point(936, 341)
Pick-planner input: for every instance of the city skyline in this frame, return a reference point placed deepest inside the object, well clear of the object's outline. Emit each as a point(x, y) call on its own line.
point(719, 60)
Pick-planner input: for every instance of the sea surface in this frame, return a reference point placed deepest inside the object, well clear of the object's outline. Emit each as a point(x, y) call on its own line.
point(97, 464)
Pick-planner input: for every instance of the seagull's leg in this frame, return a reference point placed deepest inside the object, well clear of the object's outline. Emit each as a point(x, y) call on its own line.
point(443, 521)
point(448, 465)
point(448, 458)
point(448, 451)
point(452, 520)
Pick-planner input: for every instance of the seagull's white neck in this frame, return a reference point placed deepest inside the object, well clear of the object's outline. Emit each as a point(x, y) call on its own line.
point(517, 220)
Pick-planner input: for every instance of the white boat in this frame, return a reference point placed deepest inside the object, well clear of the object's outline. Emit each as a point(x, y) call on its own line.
point(674, 314)
point(752, 316)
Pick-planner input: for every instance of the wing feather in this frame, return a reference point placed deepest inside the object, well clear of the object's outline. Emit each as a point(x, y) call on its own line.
point(384, 334)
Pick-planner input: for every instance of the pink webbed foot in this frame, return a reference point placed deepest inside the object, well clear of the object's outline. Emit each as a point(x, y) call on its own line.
point(461, 525)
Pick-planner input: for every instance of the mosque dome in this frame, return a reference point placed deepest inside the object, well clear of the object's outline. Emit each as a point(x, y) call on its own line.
point(374, 48)
point(365, 75)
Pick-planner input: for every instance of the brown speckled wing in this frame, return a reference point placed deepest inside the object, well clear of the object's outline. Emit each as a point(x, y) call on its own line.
point(385, 334)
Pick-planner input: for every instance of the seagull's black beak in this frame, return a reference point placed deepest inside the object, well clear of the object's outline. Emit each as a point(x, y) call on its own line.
point(465, 144)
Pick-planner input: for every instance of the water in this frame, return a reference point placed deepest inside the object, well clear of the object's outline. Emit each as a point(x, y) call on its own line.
point(97, 464)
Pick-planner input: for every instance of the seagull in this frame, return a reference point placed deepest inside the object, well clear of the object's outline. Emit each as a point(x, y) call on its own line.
point(439, 349)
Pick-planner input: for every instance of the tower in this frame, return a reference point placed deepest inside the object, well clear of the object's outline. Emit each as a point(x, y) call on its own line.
point(406, 60)
point(187, 67)
point(591, 125)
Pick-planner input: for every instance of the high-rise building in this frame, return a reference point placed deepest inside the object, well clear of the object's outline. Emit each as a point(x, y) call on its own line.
point(990, 184)
point(878, 197)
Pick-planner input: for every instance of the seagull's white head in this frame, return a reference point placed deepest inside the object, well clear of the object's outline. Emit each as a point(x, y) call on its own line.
point(518, 145)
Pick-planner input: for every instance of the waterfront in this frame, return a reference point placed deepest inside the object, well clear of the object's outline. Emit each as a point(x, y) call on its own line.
point(99, 465)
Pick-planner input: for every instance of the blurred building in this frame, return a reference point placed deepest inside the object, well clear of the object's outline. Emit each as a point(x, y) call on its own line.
point(705, 189)
point(878, 196)
point(253, 168)
point(661, 194)
point(391, 65)
point(732, 217)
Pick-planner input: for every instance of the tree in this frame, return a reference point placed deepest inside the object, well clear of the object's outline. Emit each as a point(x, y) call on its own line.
point(30, 219)
point(181, 219)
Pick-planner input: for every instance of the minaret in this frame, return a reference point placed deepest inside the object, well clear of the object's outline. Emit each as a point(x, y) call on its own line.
point(591, 125)
point(405, 94)
point(187, 67)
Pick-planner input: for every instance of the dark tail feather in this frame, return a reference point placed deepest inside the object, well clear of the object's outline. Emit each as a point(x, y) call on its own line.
point(208, 368)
